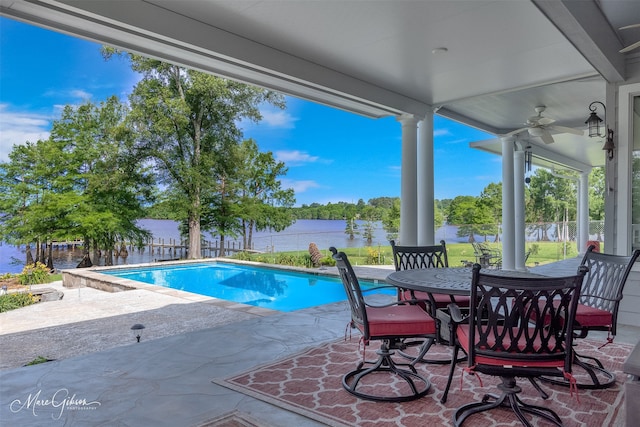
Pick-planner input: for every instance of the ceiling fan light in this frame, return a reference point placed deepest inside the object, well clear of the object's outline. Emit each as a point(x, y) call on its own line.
point(535, 131)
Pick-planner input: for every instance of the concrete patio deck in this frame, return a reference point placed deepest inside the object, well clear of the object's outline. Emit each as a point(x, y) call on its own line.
point(158, 382)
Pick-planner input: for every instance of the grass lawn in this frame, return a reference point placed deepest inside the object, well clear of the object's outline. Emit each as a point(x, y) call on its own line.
point(458, 253)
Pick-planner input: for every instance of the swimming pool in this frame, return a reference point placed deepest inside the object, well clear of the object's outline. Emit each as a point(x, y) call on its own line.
point(270, 288)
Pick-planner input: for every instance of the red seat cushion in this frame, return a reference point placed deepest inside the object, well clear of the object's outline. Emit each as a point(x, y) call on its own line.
point(589, 316)
point(399, 320)
point(462, 333)
point(442, 300)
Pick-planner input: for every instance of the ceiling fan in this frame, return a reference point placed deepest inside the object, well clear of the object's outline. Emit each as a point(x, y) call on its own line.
point(541, 126)
point(631, 46)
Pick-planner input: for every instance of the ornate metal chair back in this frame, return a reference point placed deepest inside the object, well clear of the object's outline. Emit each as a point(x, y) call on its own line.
point(522, 318)
point(353, 291)
point(412, 257)
point(604, 284)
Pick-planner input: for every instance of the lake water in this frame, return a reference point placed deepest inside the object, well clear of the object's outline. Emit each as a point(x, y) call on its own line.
point(324, 233)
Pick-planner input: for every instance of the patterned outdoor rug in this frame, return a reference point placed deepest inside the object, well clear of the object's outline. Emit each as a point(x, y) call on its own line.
point(310, 384)
point(233, 419)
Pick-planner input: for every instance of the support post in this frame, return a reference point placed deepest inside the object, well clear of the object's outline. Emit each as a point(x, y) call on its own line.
point(408, 193)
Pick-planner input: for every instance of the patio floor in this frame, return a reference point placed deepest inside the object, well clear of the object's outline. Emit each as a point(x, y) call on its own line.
point(167, 381)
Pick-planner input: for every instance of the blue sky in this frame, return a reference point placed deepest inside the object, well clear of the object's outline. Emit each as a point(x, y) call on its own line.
point(332, 155)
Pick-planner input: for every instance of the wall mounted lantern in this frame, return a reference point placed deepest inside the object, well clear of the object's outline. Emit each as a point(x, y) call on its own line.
point(594, 128)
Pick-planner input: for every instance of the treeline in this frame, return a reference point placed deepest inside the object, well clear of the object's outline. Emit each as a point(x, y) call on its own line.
point(374, 209)
point(549, 198)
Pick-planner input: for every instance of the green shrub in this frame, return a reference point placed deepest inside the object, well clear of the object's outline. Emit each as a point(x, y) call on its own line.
point(286, 259)
point(327, 260)
point(34, 274)
point(16, 300)
point(242, 256)
point(38, 360)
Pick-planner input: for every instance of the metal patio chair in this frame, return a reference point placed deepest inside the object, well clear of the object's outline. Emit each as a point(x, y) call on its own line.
point(600, 298)
point(390, 324)
point(419, 257)
point(517, 329)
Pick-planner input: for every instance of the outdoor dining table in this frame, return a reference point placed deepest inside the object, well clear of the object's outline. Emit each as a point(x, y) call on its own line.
point(448, 281)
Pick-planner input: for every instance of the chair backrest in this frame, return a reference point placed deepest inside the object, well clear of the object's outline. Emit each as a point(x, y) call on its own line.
point(353, 291)
point(519, 319)
point(604, 284)
point(412, 257)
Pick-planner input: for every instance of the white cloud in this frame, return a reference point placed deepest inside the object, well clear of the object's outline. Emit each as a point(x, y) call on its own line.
point(295, 157)
point(81, 94)
point(299, 186)
point(20, 127)
point(441, 132)
point(278, 119)
point(78, 94)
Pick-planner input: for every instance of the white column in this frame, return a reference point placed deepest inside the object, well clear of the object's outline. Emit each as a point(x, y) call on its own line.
point(518, 208)
point(508, 221)
point(408, 193)
point(426, 233)
point(583, 212)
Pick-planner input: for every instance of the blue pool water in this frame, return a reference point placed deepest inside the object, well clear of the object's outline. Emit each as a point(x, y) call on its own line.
point(262, 287)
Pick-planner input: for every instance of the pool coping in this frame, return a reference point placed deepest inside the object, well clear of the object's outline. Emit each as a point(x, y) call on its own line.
point(93, 277)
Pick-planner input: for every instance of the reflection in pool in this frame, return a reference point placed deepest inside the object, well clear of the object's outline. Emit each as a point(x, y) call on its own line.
point(271, 288)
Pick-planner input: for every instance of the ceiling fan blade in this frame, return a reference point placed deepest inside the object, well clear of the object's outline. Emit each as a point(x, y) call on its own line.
point(545, 121)
point(546, 137)
point(626, 27)
point(564, 129)
point(630, 47)
point(515, 132)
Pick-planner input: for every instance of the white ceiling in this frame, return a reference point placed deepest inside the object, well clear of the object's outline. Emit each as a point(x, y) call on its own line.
point(375, 57)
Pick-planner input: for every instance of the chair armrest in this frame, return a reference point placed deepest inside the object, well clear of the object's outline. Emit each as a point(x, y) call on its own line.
point(456, 314)
point(377, 288)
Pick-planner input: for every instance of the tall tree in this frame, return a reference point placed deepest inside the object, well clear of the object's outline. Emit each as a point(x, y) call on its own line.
point(111, 181)
point(491, 199)
point(185, 120)
point(471, 216)
point(81, 182)
point(552, 199)
point(391, 220)
point(262, 199)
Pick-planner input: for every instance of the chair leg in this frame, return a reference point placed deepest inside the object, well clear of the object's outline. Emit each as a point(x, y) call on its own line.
point(508, 399)
point(425, 346)
point(418, 385)
point(600, 377)
point(452, 369)
point(535, 385)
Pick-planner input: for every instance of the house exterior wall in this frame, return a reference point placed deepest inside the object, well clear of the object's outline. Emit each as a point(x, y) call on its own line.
point(629, 313)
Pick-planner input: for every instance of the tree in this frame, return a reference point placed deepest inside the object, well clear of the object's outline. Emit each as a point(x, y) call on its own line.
point(351, 228)
point(471, 215)
point(261, 196)
point(551, 199)
point(391, 220)
point(82, 180)
point(491, 200)
point(187, 121)
point(596, 199)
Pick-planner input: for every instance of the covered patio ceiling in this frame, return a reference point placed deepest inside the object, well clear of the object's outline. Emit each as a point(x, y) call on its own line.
point(485, 63)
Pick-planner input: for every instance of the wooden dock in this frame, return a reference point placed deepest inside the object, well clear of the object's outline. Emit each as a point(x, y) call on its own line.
point(174, 248)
